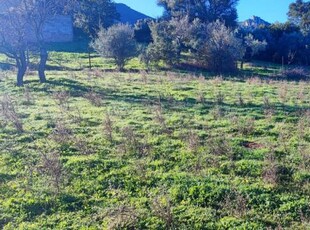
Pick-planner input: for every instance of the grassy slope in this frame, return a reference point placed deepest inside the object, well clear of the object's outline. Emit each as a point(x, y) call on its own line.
point(186, 152)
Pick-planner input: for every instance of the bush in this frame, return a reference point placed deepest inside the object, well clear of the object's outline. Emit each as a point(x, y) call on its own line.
point(117, 42)
point(163, 46)
point(221, 49)
point(297, 73)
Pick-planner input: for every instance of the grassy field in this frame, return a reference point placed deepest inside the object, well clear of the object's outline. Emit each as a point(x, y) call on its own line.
point(160, 150)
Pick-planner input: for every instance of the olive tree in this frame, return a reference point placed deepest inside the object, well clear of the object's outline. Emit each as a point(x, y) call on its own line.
point(221, 49)
point(37, 14)
point(22, 24)
point(205, 10)
point(171, 38)
point(116, 42)
point(252, 47)
point(299, 13)
point(90, 15)
point(13, 42)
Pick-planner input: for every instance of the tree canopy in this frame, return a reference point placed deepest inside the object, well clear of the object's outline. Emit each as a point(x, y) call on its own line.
point(116, 42)
point(299, 13)
point(91, 15)
point(205, 10)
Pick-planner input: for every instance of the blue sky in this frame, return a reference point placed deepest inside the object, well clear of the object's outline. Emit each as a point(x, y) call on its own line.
point(269, 10)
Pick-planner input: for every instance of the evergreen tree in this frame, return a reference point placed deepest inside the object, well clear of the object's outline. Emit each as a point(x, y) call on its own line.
point(299, 13)
point(116, 42)
point(91, 15)
point(204, 10)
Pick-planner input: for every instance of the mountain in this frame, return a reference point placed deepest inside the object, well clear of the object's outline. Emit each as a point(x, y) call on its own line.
point(253, 23)
point(128, 15)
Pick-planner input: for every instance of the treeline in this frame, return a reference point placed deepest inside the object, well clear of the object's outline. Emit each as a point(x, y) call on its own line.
point(201, 34)
point(206, 34)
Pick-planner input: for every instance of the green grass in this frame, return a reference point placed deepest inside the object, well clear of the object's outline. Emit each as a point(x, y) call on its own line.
point(187, 152)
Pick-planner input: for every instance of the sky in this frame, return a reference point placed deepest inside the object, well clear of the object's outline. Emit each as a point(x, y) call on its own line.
point(269, 10)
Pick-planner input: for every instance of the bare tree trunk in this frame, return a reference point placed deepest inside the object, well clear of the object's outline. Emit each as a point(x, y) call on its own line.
point(42, 64)
point(21, 63)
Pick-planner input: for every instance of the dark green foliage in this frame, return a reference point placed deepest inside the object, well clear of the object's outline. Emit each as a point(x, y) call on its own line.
point(221, 49)
point(204, 10)
point(164, 47)
point(91, 15)
point(116, 42)
point(143, 31)
point(286, 44)
point(170, 38)
point(299, 13)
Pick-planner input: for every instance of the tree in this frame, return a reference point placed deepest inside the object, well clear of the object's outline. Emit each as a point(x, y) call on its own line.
point(116, 42)
point(252, 47)
point(164, 47)
point(13, 42)
point(292, 47)
point(91, 15)
point(143, 31)
point(221, 49)
point(21, 25)
point(172, 37)
point(286, 43)
point(37, 13)
point(204, 10)
point(299, 13)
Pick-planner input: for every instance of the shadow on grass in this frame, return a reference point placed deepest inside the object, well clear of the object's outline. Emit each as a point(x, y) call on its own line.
point(79, 89)
point(6, 177)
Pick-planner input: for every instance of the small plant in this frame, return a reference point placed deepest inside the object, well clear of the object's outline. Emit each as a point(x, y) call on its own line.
point(28, 99)
point(266, 102)
point(296, 74)
point(76, 115)
point(201, 97)
point(162, 208)
point(144, 148)
point(193, 141)
point(304, 151)
point(129, 141)
point(254, 81)
point(83, 146)
point(61, 134)
point(159, 117)
point(244, 126)
point(218, 80)
point(144, 76)
point(94, 98)
point(270, 171)
point(268, 106)
point(240, 100)
point(301, 96)
point(62, 99)
point(219, 146)
point(9, 113)
point(283, 92)
point(217, 112)
point(235, 204)
point(122, 217)
point(284, 137)
point(51, 168)
point(219, 98)
point(108, 127)
point(303, 125)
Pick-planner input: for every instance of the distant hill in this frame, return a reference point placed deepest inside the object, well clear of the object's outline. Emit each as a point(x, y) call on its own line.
point(128, 15)
point(253, 23)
